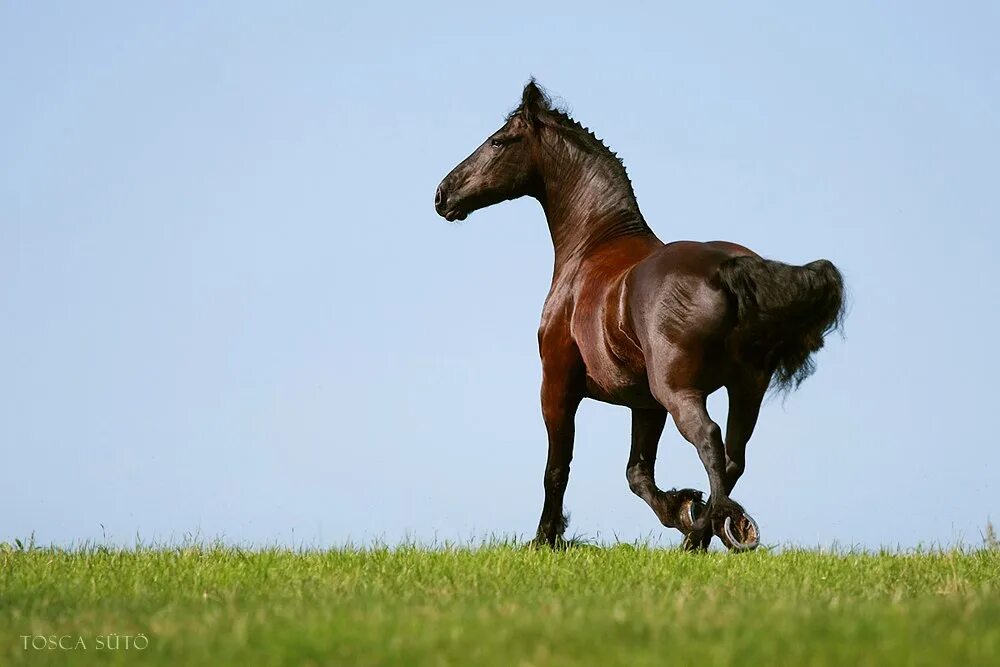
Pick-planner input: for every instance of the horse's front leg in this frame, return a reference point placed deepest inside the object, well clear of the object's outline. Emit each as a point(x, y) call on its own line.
point(562, 390)
point(674, 509)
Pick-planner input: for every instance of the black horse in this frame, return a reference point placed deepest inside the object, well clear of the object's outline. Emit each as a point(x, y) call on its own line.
point(655, 327)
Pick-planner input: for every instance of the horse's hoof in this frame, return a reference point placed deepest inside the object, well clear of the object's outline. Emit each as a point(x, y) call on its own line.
point(689, 511)
point(741, 534)
point(697, 541)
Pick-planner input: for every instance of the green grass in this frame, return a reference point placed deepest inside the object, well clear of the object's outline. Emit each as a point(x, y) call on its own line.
point(501, 604)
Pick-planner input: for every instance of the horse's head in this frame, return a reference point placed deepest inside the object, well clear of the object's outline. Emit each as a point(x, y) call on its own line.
point(504, 167)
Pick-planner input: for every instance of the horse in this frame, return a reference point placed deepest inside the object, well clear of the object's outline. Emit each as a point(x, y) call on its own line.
point(652, 326)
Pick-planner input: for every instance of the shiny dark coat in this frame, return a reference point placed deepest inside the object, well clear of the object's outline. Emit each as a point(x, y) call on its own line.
point(654, 327)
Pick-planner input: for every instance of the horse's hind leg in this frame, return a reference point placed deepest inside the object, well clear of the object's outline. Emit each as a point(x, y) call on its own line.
point(692, 420)
point(722, 516)
point(672, 508)
point(745, 397)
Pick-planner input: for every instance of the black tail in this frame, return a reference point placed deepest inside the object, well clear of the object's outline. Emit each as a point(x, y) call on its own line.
point(784, 312)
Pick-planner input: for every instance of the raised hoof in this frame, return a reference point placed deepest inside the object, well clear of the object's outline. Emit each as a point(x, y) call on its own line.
point(690, 507)
point(679, 508)
point(738, 531)
point(689, 511)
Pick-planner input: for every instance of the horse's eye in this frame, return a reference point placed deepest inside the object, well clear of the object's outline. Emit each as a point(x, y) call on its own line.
point(496, 143)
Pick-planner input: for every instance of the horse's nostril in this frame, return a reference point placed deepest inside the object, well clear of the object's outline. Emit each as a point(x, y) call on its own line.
point(438, 197)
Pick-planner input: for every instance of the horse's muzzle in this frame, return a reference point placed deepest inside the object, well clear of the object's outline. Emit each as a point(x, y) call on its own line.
point(439, 200)
point(441, 206)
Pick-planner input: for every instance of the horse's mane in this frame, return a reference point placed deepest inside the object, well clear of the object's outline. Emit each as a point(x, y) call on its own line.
point(538, 107)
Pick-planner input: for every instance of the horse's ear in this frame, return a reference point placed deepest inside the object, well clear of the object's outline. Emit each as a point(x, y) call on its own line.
point(533, 101)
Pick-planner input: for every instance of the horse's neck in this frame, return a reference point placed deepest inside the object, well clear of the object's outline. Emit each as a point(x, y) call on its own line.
point(586, 207)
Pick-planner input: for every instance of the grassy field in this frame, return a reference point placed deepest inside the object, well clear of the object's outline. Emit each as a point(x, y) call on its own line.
point(497, 605)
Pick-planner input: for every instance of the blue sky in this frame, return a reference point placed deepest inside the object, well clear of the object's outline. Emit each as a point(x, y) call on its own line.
point(228, 307)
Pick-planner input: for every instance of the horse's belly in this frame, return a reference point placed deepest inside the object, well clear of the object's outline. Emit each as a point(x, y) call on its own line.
point(619, 386)
point(633, 396)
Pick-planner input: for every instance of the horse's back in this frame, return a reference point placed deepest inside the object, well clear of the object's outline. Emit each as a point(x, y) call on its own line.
point(694, 257)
